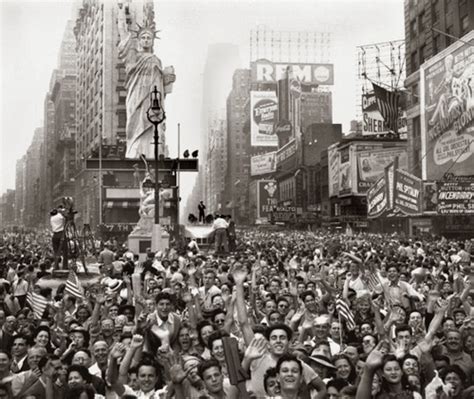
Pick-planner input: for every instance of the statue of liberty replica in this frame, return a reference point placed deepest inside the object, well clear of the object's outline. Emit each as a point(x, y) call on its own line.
point(144, 71)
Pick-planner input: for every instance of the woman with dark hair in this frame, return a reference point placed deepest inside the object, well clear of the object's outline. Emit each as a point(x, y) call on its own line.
point(204, 329)
point(344, 368)
point(394, 383)
point(457, 380)
point(42, 338)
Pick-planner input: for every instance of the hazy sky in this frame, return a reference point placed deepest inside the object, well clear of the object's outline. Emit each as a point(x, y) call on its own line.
point(31, 32)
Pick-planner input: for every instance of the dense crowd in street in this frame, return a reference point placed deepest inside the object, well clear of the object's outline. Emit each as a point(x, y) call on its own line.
point(287, 314)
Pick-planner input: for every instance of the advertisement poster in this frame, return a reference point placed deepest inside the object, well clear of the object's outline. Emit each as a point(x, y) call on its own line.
point(372, 121)
point(267, 199)
point(456, 198)
point(264, 110)
point(263, 164)
point(333, 170)
point(345, 186)
point(377, 198)
point(371, 165)
point(430, 198)
point(407, 193)
point(447, 106)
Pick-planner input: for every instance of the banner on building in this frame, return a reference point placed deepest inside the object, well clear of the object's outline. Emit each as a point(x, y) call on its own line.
point(264, 109)
point(388, 103)
point(267, 199)
point(265, 71)
point(447, 111)
point(456, 197)
point(377, 201)
point(373, 123)
point(407, 193)
point(371, 165)
point(263, 164)
point(333, 170)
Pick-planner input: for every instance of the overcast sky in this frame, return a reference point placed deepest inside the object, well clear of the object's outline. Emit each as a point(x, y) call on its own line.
point(31, 33)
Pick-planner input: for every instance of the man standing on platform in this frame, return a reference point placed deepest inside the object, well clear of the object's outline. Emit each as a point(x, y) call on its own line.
point(58, 221)
point(201, 208)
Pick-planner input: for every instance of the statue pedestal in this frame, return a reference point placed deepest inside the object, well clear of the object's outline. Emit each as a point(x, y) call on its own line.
point(147, 235)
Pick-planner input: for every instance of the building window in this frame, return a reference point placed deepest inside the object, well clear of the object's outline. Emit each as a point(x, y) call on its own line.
point(436, 44)
point(414, 64)
point(464, 24)
point(416, 127)
point(422, 54)
point(435, 11)
point(449, 31)
point(413, 28)
point(421, 26)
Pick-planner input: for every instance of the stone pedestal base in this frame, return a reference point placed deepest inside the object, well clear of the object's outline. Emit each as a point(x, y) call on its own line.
point(140, 241)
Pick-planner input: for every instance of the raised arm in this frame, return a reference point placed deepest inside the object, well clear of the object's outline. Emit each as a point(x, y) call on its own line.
point(239, 278)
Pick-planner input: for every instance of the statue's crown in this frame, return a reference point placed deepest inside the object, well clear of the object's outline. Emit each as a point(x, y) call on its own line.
point(150, 28)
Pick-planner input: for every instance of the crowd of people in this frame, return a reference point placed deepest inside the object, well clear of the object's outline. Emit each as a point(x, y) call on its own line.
point(286, 314)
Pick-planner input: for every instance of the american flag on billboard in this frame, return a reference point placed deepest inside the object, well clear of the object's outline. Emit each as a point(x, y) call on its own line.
point(73, 285)
point(346, 313)
point(387, 103)
point(38, 304)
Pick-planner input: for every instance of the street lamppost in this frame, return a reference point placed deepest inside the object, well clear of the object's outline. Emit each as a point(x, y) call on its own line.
point(156, 115)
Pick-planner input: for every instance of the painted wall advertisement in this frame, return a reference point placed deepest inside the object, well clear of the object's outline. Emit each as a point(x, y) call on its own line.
point(456, 198)
point(264, 109)
point(333, 170)
point(263, 164)
point(373, 123)
point(447, 111)
point(267, 199)
point(371, 165)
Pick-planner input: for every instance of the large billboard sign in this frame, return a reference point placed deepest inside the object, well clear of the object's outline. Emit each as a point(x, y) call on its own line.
point(264, 109)
point(377, 200)
point(456, 198)
point(263, 164)
point(265, 71)
point(345, 175)
point(267, 199)
point(371, 165)
point(373, 123)
point(333, 170)
point(447, 111)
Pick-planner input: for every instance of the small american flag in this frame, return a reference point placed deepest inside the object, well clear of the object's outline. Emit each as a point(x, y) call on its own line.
point(38, 303)
point(373, 281)
point(346, 313)
point(73, 285)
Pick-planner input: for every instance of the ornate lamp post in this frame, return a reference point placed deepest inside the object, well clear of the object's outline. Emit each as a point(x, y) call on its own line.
point(156, 115)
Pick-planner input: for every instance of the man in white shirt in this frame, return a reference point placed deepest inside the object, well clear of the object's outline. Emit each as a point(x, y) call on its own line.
point(220, 228)
point(58, 221)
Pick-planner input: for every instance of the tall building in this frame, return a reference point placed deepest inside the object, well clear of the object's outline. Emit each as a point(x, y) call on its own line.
point(439, 39)
point(316, 107)
point(216, 162)
point(7, 208)
point(20, 193)
point(238, 145)
point(448, 18)
point(31, 216)
point(100, 112)
point(221, 61)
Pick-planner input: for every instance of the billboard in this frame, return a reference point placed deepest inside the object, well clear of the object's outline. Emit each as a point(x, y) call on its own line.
point(267, 199)
point(264, 109)
point(407, 193)
point(265, 71)
point(373, 123)
point(447, 111)
point(371, 165)
point(456, 198)
point(263, 164)
point(333, 170)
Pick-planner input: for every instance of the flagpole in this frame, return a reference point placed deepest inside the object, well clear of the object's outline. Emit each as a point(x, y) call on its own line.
point(340, 329)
